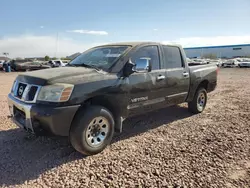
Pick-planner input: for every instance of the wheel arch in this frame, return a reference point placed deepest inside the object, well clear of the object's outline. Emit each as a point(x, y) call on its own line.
point(203, 84)
point(109, 104)
point(193, 90)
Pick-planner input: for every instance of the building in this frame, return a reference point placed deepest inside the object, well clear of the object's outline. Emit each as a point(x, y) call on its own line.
point(229, 51)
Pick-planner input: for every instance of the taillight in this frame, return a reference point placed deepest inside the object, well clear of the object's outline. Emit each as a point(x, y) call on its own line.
point(217, 70)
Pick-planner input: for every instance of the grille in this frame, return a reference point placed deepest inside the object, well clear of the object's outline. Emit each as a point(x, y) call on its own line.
point(32, 93)
point(25, 92)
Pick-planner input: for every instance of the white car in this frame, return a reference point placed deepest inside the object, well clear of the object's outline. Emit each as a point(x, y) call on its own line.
point(244, 63)
point(230, 63)
point(217, 62)
point(1, 65)
point(56, 63)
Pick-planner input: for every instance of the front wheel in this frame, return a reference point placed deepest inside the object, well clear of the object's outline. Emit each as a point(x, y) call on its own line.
point(198, 104)
point(92, 130)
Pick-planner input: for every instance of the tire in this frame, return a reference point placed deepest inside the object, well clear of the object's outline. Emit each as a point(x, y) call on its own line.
point(92, 130)
point(198, 104)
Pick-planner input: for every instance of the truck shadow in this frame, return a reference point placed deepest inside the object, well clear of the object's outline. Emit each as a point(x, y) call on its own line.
point(25, 157)
point(140, 124)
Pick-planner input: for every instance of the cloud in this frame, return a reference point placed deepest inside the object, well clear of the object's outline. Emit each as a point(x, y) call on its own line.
point(211, 41)
point(41, 26)
point(39, 46)
point(81, 31)
point(155, 29)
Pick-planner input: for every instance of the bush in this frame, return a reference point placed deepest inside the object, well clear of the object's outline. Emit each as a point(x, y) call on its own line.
point(46, 58)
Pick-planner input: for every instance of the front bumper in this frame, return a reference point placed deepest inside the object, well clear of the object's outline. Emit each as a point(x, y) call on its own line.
point(229, 65)
point(34, 117)
point(244, 65)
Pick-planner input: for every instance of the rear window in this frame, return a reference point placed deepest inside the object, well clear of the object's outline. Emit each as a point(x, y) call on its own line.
point(172, 57)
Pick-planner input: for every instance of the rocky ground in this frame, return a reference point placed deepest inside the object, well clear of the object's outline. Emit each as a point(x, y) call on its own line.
point(168, 148)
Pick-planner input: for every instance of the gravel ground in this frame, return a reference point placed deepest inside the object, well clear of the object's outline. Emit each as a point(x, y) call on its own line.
point(168, 148)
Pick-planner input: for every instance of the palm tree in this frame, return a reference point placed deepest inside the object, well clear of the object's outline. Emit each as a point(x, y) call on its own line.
point(6, 54)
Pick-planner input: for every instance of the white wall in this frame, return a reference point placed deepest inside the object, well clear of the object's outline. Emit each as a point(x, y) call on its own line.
point(220, 51)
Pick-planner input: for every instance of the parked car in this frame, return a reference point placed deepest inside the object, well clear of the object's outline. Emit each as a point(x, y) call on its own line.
point(1, 65)
point(230, 63)
point(24, 65)
point(89, 99)
point(17, 65)
point(244, 63)
point(35, 65)
point(217, 62)
point(198, 62)
point(56, 63)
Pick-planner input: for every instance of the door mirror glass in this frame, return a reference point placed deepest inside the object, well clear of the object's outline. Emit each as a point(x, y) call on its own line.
point(142, 65)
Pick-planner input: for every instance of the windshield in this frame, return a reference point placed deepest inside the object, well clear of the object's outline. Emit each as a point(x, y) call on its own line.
point(230, 61)
point(100, 57)
point(198, 60)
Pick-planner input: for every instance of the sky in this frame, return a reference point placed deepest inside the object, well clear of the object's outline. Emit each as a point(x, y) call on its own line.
point(60, 28)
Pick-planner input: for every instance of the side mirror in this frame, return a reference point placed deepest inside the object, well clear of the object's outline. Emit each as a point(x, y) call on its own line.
point(142, 65)
point(128, 69)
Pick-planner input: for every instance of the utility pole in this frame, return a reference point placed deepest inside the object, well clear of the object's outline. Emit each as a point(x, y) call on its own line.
point(56, 44)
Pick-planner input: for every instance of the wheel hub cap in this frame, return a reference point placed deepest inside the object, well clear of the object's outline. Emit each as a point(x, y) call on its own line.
point(201, 100)
point(97, 131)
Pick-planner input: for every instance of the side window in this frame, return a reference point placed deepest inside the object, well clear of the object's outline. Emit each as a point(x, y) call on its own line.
point(150, 52)
point(172, 57)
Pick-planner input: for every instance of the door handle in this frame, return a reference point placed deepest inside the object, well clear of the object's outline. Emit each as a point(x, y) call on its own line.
point(185, 74)
point(160, 77)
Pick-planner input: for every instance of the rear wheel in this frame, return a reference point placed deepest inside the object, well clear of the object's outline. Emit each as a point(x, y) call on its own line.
point(92, 130)
point(198, 104)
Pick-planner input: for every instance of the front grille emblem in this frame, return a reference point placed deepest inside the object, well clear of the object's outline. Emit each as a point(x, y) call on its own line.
point(20, 90)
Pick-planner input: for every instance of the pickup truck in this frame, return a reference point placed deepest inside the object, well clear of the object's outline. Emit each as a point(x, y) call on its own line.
point(89, 98)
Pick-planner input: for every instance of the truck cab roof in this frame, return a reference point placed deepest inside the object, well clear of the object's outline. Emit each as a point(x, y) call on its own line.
point(134, 44)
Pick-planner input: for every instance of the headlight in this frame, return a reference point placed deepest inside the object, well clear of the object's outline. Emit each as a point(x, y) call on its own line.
point(55, 93)
point(13, 86)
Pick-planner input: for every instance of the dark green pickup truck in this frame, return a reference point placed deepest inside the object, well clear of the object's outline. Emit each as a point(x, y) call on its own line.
point(89, 98)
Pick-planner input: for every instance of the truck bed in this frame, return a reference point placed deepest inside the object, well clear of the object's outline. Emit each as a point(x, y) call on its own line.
point(206, 74)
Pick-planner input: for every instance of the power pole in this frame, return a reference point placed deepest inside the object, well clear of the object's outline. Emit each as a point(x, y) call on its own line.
point(56, 44)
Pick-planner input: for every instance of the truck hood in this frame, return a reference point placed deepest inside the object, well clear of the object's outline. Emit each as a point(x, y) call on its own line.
point(71, 75)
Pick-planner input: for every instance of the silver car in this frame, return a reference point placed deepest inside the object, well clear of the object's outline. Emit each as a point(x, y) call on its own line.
point(231, 63)
point(244, 63)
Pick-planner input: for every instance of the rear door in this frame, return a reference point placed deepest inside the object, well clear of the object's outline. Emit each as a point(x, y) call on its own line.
point(177, 75)
point(147, 90)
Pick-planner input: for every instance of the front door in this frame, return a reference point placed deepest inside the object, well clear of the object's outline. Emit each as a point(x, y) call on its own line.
point(147, 90)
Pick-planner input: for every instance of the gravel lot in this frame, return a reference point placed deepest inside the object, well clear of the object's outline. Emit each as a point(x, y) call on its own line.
point(169, 148)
